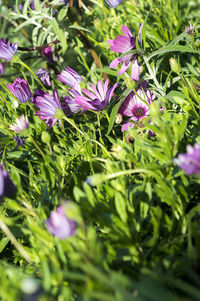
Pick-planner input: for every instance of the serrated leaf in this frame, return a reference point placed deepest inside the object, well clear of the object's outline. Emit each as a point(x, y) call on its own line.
point(60, 34)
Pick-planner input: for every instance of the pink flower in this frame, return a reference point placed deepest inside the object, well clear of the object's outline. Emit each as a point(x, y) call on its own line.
point(49, 106)
point(190, 162)
point(136, 106)
point(60, 225)
point(21, 124)
point(123, 44)
point(98, 99)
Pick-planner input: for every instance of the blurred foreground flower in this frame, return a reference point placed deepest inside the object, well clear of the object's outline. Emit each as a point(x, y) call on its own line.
point(123, 44)
point(20, 89)
point(190, 162)
point(43, 75)
point(7, 188)
point(32, 4)
point(2, 68)
point(60, 225)
point(99, 99)
point(70, 78)
point(113, 3)
point(50, 107)
point(136, 106)
point(21, 124)
point(7, 50)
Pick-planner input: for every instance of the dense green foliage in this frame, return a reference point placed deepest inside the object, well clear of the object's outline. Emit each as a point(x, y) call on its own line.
point(138, 216)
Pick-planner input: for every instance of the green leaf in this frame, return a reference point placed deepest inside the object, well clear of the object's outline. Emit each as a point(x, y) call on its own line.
point(60, 34)
point(62, 13)
point(3, 243)
point(79, 28)
point(115, 110)
point(173, 48)
point(120, 205)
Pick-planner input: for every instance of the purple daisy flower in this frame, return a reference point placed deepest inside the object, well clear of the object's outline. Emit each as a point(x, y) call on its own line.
point(136, 106)
point(43, 75)
point(123, 44)
point(20, 89)
point(70, 106)
point(49, 106)
point(21, 124)
point(2, 68)
point(190, 162)
point(98, 100)
point(60, 225)
point(70, 78)
point(113, 3)
point(7, 188)
point(7, 50)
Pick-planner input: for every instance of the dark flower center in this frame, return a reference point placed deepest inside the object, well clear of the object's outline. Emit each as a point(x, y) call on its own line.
point(139, 112)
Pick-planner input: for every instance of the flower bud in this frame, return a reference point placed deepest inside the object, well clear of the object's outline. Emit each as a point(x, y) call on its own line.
point(118, 118)
point(130, 83)
point(174, 65)
point(46, 138)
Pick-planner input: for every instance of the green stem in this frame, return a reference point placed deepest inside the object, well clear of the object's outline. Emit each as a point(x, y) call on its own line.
point(70, 121)
point(14, 241)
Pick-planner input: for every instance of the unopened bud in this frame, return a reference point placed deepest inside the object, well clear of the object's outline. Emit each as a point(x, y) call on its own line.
point(45, 137)
point(174, 65)
point(56, 148)
point(190, 30)
point(130, 83)
point(118, 118)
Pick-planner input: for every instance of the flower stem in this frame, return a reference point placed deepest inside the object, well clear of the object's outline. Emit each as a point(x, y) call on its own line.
point(12, 238)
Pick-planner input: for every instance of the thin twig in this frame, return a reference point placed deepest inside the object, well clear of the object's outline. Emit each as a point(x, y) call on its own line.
point(38, 47)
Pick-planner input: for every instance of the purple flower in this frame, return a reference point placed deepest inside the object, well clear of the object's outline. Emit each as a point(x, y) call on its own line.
point(70, 106)
point(7, 188)
point(49, 106)
point(43, 75)
point(20, 89)
point(19, 141)
point(190, 162)
point(7, 50)
point(21, 124)
point(136, 106)
point(70, 78)
point(123, 44)
point(32, 4)
point(114, 3)
point(2, 68)
point(190, 30)
point(59, 225)
point(48, 52)
point(99, 99)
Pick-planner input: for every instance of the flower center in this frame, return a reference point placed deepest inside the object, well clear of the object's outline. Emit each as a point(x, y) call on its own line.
point(139, 112)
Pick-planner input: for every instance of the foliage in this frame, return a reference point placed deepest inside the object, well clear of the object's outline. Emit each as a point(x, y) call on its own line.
point(137, 212)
